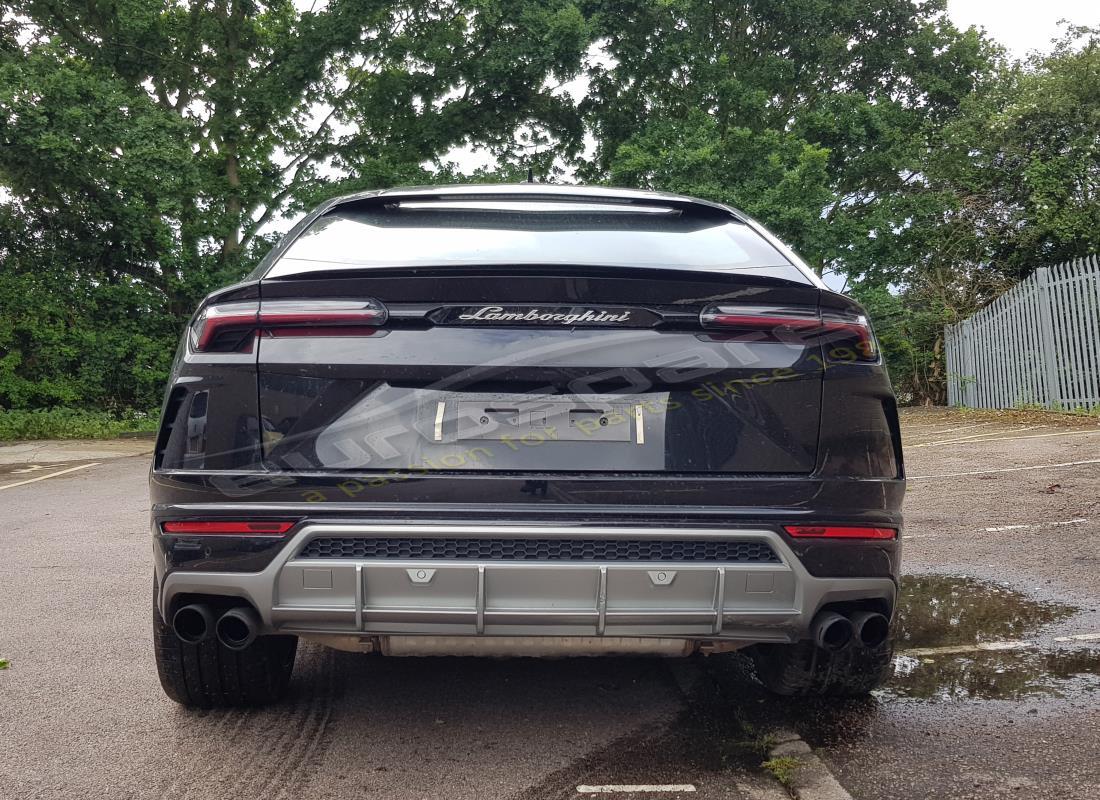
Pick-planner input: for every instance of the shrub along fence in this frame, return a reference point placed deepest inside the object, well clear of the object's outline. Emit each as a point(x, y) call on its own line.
point(1038, 343)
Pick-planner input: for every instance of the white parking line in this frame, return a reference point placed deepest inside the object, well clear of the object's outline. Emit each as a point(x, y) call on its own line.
point(51, 475)
point(612, 788)
point(1003, 528)
point(1036, 525)
point(916, 432)
point(993, 646)
point(911, 438)
point(979, 436)
point(972, 440)
point(1003, 469)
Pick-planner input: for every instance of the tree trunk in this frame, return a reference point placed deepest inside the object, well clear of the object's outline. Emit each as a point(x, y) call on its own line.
point(232, 243)
point(228, 127)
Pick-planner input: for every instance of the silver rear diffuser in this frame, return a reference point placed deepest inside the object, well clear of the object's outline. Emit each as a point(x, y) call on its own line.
point(520, 646)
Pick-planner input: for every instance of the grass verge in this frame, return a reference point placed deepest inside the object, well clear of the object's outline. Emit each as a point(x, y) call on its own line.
point(69, 423)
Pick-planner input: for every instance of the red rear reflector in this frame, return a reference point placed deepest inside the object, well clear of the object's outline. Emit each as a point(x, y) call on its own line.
point(839, 532)
point(228, 527)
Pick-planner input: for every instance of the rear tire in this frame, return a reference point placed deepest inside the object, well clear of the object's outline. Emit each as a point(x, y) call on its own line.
point(208, 675)
point(805, 670)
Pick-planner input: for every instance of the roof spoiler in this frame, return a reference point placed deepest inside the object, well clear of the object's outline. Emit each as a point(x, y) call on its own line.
point(526, 193)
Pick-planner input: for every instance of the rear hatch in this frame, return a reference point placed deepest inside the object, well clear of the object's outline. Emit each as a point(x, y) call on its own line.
point(538, 336)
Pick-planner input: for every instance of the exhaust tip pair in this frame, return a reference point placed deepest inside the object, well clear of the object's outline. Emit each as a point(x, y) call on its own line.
point(833, 631)
point(236, 629)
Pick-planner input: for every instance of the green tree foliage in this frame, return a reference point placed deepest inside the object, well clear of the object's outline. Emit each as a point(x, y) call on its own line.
point(147, 148)
point(886, 145)
point(146, 144)
point(809, 114)
point(1023, 159)
point(1009, 182)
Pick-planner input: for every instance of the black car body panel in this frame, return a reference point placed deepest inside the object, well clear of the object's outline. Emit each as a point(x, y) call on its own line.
point(519, 382)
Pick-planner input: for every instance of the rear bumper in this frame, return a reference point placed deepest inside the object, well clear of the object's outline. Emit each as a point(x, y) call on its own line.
point(756, 601)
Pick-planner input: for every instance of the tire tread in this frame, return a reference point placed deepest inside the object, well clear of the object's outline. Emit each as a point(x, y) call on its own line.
point(209, 675)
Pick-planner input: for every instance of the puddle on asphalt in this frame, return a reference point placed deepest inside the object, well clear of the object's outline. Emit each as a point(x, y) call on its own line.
point(996, 676)
point(944, 611)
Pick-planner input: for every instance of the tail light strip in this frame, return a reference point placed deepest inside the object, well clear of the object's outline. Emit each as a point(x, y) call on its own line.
point(798, 327)
point(214, 321)
point(314, 313)
point(228, 327)
point(280, 527)
point(290, 317)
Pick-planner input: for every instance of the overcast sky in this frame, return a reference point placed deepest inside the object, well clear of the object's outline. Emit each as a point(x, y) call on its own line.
point(1023, 25)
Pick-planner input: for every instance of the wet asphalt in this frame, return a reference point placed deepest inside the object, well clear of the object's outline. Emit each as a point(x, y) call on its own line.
point(82, 714)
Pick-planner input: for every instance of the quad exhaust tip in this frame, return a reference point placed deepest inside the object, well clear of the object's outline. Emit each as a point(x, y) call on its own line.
point(831, 631)
point(870, 628)
point(193, 623)
point(238, 627)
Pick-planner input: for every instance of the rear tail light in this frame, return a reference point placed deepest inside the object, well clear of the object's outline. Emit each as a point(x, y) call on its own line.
point(839, 532)
point(849, 339)
point(844, 339)
point(221, 527)
point(305, 314)
point(230, 327)
point(224, 328)
point(762, 319)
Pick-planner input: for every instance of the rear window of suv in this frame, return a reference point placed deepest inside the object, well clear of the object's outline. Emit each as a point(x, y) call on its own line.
point(478, 233)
